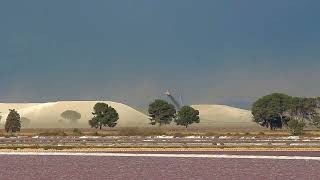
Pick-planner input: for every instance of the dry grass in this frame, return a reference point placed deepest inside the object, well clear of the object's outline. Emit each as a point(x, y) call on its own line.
point(157, 131)
point(150, 149)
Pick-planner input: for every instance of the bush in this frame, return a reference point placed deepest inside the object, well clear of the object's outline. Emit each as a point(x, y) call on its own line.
point(296, 127)
point(77, 132)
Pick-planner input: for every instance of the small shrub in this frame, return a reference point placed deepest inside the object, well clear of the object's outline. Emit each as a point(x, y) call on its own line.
point(296, 127)
point(77, 132)
point(247, 134)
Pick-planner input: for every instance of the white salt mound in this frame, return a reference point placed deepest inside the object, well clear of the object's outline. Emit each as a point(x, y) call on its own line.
point(47, 115)
point(224, 116)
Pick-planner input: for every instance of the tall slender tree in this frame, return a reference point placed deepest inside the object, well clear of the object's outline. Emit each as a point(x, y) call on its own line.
point(13, 123)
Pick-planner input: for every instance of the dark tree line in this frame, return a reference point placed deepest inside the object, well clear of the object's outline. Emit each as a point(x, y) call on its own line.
point(276, 110)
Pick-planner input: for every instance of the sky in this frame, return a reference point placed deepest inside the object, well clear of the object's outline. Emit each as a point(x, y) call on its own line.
point(208, 51)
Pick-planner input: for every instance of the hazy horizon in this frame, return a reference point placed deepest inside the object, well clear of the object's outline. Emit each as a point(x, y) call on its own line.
point(225, 52)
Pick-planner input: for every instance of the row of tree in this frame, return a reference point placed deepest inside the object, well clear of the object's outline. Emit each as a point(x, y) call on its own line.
point(273, 111)
point(277, 110)
point(161, 113)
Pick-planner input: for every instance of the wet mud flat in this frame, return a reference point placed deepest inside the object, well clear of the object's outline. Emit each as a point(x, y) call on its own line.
point(221, 152)
point(84, 167)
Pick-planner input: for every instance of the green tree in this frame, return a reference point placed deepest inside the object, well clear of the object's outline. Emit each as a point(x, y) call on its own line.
point(296, 126)
point(161, 112)
point(316, 122)
point(13, 123)
point(316, 119)
point(25, 122)
point(304, 109)
point(187, 116)
point(275, 110)
point(104, 115)
point(71, 115)
point(272, 110)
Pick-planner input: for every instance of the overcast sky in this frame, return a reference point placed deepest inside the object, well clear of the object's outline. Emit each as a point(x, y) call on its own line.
point(209, 51)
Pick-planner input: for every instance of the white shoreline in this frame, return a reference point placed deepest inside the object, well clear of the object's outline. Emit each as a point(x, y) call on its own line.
point(214, 156)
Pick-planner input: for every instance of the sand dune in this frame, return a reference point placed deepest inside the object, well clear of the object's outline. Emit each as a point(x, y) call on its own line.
point(4, 107)
point(47, 115)
point(224, 116)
